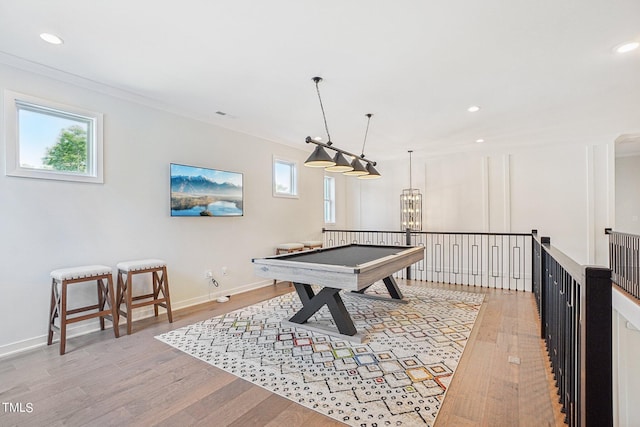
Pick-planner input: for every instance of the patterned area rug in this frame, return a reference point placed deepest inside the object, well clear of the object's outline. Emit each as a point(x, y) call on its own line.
point(398, 378)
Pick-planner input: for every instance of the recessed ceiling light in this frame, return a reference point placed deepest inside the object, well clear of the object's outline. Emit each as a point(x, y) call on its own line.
point(317, 138)
point(51, 38)
point(479, 140)
point(473, 109)
point(627, 47)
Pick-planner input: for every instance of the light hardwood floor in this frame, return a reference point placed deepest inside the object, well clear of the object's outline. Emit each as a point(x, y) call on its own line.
point(502, 380)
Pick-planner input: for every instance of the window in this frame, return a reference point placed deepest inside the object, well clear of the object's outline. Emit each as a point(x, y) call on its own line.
point(329, 200)
point(285, 178)
point(52, 141)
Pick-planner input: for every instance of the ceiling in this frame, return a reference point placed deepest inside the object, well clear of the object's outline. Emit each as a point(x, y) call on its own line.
point(543, 72)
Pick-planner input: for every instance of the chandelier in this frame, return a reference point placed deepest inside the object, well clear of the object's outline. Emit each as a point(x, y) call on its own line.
point(411, 206)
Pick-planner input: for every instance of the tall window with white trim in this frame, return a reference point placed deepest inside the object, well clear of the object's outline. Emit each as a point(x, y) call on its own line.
point(285, 178)
point(329, 200)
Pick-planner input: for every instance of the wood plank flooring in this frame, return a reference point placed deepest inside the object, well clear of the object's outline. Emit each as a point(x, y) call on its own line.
point(503, 378)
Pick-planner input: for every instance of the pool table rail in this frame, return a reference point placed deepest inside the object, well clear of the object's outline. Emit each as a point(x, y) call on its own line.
point(350, 278)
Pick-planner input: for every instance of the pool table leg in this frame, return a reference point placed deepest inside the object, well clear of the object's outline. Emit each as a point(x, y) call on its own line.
point(392, 287)
point(312, 302)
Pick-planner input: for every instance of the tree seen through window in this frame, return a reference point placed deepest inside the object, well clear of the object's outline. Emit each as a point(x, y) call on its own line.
point(69, 153)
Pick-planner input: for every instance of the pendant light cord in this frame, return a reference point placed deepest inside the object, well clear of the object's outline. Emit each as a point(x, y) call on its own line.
point(324, 117)
point(365, 133)
point(410, 186)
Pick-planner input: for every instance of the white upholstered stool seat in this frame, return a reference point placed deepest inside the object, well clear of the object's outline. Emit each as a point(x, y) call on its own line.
point(285, 248)
point(158, 297)
point(311, 244)
point(105, 308)
point(141, 264)
point(86, 271)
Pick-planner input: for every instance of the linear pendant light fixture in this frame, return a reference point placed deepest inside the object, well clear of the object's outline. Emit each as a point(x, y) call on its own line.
point(339, 162)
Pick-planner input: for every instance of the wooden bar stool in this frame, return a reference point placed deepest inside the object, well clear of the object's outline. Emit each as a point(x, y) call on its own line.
point(61, 279)
point(311, 244)
point(126, 271)
point(288, 248)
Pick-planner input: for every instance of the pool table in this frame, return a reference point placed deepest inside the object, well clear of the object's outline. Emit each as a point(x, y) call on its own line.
point(351, 267)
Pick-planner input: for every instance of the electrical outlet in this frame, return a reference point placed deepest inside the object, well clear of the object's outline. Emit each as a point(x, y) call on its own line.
point(224, 271)
point(208, 274)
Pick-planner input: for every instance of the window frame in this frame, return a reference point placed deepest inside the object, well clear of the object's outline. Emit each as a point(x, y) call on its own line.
point(14, 101)
point(293, 178)
point(331, 200)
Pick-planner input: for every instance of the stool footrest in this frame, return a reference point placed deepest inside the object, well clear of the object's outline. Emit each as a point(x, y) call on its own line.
point(161, 304)
point(103, 313)
point(145, 303)
point(81, 309)
point(142, 297)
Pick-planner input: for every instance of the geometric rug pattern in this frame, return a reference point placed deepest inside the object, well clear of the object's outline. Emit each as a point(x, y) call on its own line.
point(397, 378)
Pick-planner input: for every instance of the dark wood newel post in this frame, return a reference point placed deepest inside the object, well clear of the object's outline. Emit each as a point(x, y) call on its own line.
point(596, 348)
point(534, 273)
point(544, 282)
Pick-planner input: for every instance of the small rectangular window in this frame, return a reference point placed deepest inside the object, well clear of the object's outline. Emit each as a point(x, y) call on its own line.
point(52, 141)
point(329, 200)
point(285, 178)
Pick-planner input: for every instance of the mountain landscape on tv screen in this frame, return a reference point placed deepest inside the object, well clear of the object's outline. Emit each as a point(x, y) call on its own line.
point(201, 184)
point(201, 196)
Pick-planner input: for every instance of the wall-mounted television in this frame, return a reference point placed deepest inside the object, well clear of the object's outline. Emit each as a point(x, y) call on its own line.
point(197, 191)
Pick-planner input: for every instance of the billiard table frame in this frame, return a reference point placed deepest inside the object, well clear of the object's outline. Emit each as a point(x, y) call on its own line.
point(333, 279)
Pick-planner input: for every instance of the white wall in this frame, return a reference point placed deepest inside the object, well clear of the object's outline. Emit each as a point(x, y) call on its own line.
point(628, 194)
point(51, 224)
point(550, 192)
point(455, 194)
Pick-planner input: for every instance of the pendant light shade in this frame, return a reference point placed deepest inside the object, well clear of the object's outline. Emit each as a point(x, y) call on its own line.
point(358, 169)
point(341, 164)
point(372, 173)
point(319, 159)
